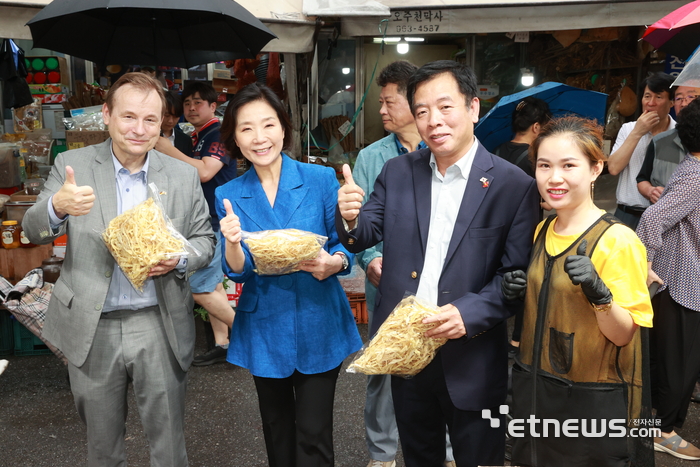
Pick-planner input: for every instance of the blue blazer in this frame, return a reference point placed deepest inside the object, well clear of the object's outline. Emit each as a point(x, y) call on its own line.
point(293, 321)
point(493, 234)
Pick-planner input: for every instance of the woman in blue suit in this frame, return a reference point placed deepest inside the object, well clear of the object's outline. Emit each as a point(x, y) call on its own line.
point(291, 331)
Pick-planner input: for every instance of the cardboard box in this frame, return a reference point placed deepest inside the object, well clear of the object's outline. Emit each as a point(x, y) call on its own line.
point(228, 86)
point(224, 74)
point(79, 139)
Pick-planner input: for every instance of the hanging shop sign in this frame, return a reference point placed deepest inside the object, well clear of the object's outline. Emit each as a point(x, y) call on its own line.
point(418, 22)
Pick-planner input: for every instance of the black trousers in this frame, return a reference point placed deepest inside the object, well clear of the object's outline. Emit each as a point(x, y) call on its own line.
point(423, 407)
point(675, 359)
point(297, 417)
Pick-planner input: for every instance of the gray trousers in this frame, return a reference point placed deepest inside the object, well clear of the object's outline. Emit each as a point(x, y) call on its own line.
point(131, 346)
point(381, 433)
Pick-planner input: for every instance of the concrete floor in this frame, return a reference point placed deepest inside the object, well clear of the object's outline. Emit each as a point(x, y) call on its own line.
point(39, 426)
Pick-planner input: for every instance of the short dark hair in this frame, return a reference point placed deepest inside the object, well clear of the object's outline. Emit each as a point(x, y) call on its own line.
point(464, 75)
point(688, 126)
point(585, 133)
point(251, 93)
point(398, 73)
point(659, 82)
point(173, 103)
point(206, 91)
point(140, 81)
point(529, 111)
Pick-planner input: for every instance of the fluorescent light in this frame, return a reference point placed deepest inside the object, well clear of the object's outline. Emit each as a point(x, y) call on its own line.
point(378, 40)
point(346, 71)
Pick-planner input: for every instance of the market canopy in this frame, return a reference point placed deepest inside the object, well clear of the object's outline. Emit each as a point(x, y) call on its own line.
point(493, 16)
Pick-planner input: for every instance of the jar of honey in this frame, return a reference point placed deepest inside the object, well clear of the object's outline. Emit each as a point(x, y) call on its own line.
point(24, 241)
point(10, 234)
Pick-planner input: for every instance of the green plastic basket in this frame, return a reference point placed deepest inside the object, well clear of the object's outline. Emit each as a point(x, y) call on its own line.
point(27, 343)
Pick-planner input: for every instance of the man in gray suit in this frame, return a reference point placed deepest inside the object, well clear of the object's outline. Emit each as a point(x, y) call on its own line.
point(110, 333)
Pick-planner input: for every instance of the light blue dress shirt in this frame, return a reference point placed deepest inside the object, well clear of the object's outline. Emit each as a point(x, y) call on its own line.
point(132, 189)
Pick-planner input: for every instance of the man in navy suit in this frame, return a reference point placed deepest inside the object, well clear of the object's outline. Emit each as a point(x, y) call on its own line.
point(454, 218)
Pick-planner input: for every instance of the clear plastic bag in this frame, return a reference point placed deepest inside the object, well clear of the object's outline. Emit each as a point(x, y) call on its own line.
point(278, 252)
point(400, 347)
point(142, 237)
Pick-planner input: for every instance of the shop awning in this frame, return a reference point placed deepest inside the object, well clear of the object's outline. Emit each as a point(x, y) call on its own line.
point(295, 31)
point(485, 16)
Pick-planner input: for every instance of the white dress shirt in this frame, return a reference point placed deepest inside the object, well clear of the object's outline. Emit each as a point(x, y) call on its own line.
point(446, 193)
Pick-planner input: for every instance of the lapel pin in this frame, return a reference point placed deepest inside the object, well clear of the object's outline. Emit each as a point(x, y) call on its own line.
point(484, 182)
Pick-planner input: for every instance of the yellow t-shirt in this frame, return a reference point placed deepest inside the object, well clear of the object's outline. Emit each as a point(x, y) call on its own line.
point(621, 261)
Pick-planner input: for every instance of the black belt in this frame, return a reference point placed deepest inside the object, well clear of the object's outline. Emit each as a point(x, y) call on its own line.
point(630, 210)
point(117, 314)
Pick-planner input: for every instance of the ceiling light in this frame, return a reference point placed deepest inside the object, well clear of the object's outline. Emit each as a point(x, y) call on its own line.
point(346, 71)
point(527, 77)
point(402, 46)
point(378, 40)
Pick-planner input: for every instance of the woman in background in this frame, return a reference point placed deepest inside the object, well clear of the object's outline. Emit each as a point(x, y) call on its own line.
point(291, 331)
point(670, 230)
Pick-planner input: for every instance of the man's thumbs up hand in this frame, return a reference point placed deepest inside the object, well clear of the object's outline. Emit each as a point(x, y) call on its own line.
point(349, 197)
point(72, 199)
point(230, 225)
point(70, 176)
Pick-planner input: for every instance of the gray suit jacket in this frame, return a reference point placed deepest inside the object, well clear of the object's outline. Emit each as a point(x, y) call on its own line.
point(79, 294)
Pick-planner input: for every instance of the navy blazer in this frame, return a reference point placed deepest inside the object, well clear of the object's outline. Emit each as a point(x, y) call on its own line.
point(293, 321)
point(492, 235)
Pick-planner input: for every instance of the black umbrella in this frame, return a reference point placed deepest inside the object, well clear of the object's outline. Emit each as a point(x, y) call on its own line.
point(179, 33)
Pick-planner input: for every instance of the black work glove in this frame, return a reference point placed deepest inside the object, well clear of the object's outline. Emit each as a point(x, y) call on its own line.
point(514, 285)
point(581, 271)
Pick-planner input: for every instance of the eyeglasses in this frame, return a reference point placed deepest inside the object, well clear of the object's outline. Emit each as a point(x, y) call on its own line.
point(681, 100)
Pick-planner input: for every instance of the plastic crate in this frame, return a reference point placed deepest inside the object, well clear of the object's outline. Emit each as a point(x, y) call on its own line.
point(359, 307)
point(7, 340)
point(27, 343)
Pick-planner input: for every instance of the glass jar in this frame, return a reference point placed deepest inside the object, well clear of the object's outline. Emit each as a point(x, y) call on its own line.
point(24, 241)
point(10, 234)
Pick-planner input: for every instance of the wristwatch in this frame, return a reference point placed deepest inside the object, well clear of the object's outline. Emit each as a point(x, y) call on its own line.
point(346, 262)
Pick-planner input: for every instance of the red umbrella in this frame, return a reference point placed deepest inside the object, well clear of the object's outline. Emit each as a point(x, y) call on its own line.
point(677, 33)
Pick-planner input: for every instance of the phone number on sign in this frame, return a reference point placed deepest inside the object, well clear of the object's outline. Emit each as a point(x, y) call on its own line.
point(421, 28)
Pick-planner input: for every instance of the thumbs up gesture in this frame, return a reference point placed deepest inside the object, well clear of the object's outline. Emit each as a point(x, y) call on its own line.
point(581, 271)
point(230, 225)
point(349, 197)
point(72, 199)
